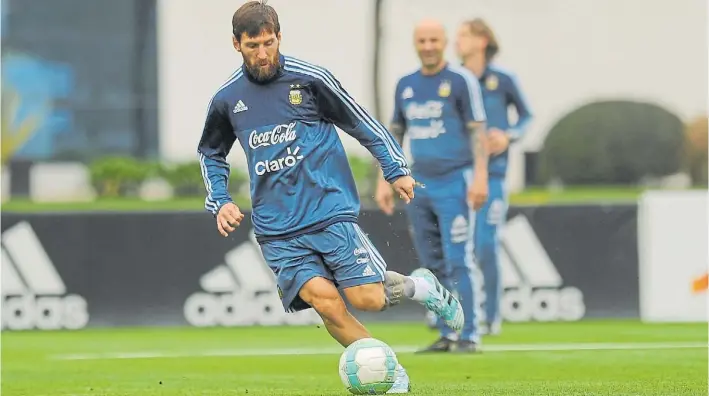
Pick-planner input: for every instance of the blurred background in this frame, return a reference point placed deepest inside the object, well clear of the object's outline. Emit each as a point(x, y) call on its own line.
point(103, 104)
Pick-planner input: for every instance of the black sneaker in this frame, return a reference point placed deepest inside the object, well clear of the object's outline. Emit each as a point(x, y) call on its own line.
point(464, 346)
point(441, 346)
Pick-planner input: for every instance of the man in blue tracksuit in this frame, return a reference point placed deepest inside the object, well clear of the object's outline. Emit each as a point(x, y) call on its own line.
point(477, 46)
point(439, 108)
point(283, 111)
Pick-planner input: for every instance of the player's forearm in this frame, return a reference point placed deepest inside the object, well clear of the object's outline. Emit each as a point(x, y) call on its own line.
point(479, 146)
point(215, 172)
point(397, 131)
point(390, 168)
point(385, 148)
point(516, 132)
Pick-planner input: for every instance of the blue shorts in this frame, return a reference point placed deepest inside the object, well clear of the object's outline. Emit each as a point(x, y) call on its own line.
point(341, 253)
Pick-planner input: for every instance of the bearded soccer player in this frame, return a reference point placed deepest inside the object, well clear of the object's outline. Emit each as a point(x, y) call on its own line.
point(439, 108)
point(477, 47)
point(283, 111)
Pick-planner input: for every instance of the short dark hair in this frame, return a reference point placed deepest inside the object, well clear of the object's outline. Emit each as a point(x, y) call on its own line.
point(253, 18)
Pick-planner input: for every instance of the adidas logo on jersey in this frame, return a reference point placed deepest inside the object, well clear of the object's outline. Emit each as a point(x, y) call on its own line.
point(240, 106)
point(533, 287)
point(34, 295)
point(242, 292)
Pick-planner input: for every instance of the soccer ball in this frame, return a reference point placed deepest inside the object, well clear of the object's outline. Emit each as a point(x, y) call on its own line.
point(368, 367)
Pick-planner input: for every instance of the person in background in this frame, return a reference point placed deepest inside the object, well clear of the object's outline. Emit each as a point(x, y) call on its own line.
point(439, 108)
point(477, 46)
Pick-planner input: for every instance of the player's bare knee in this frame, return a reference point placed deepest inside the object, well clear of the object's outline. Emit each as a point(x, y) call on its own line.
point(323, 296)
point(369, 297)
point(331, 309)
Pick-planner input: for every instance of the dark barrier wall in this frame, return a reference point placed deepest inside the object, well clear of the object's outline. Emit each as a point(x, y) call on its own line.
point(557, 262)
point(76, 270)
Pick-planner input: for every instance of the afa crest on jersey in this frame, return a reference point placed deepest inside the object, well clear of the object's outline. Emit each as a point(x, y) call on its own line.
point(492, 82)
point(295, 97)
point(444, 90)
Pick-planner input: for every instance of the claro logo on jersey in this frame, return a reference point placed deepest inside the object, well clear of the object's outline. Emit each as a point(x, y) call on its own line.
point(432, 131)
point(288, 161)
point(533, 288)
point(33, 293)
point(242, 292)
point(279, 134)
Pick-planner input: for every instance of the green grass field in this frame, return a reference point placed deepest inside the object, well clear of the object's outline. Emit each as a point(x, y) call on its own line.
point(586, 358)
point(532, 196)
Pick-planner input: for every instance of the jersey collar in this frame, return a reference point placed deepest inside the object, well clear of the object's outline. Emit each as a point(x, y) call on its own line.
point(444, 68)
point(483, 76)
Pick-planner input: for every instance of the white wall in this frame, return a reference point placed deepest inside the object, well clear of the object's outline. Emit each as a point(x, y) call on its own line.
point(672, 252)
point(565, 53)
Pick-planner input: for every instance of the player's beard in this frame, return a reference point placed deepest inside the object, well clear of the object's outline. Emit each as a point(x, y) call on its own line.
point(263, 73)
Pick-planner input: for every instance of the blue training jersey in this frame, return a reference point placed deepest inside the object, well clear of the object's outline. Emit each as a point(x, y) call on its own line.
point(300, 178)
point(434, 111)
point(500, 92)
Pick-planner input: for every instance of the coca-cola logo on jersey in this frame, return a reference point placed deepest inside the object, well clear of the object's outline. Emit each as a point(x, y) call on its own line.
point(425, 111)
point(280, 134)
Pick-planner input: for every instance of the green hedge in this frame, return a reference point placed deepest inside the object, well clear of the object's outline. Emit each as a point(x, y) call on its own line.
point(613, 143)
point(123, 176)
point(120, 176)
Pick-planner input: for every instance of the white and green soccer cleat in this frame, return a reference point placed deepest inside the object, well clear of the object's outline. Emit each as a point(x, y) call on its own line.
point(402, 384)
point(441, 301)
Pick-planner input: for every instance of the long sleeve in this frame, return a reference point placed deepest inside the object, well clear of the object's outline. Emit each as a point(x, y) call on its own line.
point(524, 114)
point(214, 146)
point(338, 107)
